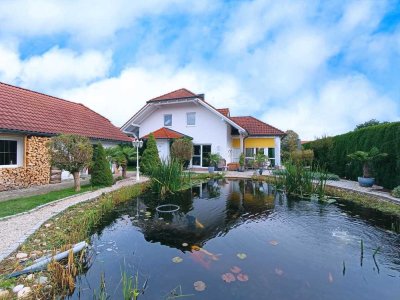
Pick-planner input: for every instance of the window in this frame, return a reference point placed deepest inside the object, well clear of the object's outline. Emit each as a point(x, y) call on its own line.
point(8, 152)
point(201, 153)
point(168, 120)
point(191, 118)
point(271, 156)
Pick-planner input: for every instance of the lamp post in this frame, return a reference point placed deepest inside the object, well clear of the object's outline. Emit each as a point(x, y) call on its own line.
point(138, 144)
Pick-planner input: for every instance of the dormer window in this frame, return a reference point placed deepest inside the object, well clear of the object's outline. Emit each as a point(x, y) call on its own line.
point(168, 120)
point(191, 118)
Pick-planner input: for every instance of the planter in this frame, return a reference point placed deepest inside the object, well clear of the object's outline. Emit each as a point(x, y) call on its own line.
point(260, 171)
point(211, 170)
point(241, 169)
point(366, 182)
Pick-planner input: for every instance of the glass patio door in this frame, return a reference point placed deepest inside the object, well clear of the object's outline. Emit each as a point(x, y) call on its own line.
point(201, 153)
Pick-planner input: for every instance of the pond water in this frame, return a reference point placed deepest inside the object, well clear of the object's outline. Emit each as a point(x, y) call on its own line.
point(243, 241)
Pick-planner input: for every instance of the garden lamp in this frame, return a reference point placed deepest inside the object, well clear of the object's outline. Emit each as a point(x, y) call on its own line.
point(137, 144)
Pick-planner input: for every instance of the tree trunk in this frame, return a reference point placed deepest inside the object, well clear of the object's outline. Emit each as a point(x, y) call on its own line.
point(366, 172)
point(77, 181)
point(123, 171)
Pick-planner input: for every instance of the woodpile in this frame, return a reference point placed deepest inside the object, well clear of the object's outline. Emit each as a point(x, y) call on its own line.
point(36, 169)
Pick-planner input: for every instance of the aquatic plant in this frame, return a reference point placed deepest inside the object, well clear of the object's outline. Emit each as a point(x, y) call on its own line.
point(168, 177)
point(298, 181)
point(102, 293)
point(130, 286)
point(177, 293)
point(396, 192)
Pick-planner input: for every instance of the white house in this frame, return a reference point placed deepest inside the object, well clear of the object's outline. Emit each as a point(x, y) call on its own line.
point(183, 113)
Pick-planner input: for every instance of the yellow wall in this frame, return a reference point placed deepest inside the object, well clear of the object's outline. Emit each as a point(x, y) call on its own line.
point(235, 143)
point(259, 143)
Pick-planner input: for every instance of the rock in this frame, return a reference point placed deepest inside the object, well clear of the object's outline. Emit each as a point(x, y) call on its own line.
point(21, 255)
point(24, 293)
point(47, 225)
point(42, 280)
point(4, 294)
point(17, 288)
point(30, 277)
point(36, 241)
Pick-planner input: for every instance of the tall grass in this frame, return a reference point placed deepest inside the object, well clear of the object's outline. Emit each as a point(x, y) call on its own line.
point(168, 177)
point(299, 181)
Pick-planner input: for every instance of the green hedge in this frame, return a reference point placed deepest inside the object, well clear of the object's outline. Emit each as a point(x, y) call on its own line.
point(332, 152)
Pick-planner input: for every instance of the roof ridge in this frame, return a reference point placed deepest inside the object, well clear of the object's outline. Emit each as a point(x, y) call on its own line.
point(54, 97)
point(185, 89)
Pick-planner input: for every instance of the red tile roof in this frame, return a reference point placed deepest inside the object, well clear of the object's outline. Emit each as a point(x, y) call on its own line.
point(178, 94)
point(165, 133)
point(256, 127)
point(28, 111)
point(224, 111)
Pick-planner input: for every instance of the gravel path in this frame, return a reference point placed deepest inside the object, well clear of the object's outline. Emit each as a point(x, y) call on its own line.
point(16, 229)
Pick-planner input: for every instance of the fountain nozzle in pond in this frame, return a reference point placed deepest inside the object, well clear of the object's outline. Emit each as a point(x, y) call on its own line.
point(167, 208)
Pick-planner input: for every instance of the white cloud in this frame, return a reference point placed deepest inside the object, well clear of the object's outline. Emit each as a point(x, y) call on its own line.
point(336, 108)
point(120, 97)
point(54, 70)
point(85, 20)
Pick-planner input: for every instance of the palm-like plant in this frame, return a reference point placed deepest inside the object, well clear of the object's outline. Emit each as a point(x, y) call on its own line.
point(121, 155)
point(367, 159)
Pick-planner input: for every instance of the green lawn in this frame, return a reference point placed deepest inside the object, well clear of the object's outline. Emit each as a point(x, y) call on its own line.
point(14, 206)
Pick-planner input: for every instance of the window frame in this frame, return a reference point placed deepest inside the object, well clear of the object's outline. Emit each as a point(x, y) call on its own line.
point(20, 151)
point(166, 115)
point(192, 113)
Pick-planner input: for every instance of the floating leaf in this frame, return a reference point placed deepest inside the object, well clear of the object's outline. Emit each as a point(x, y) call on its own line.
point(177, 259)
point(236, 269)
point(330, 277)
point(195, 248)
point(273, 242)
point(228, 277)
point(199, 286)
point(278, 272)
point(185, 244)
point(241, 255)
point(242, 277)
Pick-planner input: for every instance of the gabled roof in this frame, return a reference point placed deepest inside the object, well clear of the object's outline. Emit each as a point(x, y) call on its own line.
point(165, 133)
point(178, 94)
point(256, 127)
point(224, 111)
point(22, 110)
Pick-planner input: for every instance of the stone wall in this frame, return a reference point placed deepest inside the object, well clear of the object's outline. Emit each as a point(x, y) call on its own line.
point(36, 169)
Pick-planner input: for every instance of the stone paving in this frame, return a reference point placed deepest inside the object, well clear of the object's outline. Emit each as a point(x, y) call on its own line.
point(16, 229)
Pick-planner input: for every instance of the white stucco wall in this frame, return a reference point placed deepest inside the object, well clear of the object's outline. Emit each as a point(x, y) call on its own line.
point(209, 128)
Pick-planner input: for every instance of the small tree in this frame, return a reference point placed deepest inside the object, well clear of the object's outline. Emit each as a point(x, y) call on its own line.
point(121, 155)
point(150, 155)
point(367, 159)
point(101, 171)
point(289, 143)
point(72, 153)
point(182, 150)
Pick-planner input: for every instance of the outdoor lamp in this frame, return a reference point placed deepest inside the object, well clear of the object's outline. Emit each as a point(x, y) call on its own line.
point(137, 144)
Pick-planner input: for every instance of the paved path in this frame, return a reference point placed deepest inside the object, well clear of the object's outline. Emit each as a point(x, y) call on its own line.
point(16, 229)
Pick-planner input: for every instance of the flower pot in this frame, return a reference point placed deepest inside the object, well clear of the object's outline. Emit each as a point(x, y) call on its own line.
point(366, 182)
point(260, 171)
point(211, 170)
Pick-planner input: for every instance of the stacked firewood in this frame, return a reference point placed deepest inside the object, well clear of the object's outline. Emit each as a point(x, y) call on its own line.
point(35, 170)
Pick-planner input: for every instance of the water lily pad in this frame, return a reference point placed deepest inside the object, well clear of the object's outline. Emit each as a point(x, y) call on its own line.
point(195, 248)
point(330, 201)
point(241, 255)
point(199, 286)
point(228, 277)
point(242, 277)
point(177, 259)
point(273, 242)
point(278, 272)
point(235, 269)
point(185, 244)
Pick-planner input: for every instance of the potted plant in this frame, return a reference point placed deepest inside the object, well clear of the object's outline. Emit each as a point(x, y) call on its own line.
point(260, 160)
point(367, 159)
point(241, 162)
point(214, 159)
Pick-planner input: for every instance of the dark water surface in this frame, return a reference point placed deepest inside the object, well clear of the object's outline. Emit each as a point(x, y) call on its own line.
point(292, 249)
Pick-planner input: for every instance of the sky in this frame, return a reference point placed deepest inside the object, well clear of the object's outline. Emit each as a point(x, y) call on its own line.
point(316, 67)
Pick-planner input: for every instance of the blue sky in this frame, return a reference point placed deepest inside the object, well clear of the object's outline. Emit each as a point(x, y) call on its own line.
point(317, 67)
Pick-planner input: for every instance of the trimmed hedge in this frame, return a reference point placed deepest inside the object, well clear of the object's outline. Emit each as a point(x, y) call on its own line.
point(101, 172)
point(332, 152)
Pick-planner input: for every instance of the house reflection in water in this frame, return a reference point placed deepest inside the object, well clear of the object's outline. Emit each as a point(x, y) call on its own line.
point(206, 211)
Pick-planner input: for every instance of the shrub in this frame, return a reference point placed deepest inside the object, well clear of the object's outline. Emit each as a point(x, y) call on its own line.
point(303, 156)
point(101, 171)
point(396, 192)
point(386, 137)
point(150, 156)
point(182, 150)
